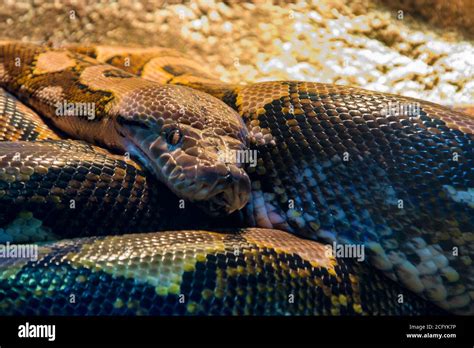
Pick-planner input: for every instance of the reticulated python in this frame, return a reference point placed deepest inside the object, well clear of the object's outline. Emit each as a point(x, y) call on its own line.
point(335, 164)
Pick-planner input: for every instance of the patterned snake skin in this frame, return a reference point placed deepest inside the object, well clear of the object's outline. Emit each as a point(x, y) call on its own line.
point(177, 132)
point(335, 164)
point(252, 272)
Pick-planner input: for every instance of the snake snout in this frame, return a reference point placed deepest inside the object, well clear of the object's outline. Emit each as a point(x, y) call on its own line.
point(225, 191)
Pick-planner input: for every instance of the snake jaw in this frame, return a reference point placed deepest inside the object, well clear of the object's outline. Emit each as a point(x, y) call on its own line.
point(225, 199)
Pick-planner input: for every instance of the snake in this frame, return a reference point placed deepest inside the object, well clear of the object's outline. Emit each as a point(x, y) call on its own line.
point(181, 194)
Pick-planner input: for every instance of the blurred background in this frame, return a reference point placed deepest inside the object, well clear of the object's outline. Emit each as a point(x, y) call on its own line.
point(418, 48)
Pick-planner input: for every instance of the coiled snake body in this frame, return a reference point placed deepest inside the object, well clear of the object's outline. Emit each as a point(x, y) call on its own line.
point(340, 165)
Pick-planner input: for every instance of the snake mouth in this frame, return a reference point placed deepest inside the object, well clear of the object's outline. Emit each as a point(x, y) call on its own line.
point(223, 201)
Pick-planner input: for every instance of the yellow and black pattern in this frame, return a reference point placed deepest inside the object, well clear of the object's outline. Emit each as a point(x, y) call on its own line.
point(18, 122)
point(76, 189)
point(174, 131)
point(401, 185)
point(246, 272)
point(334, 163)
point(344, 164)
point(162, 65)
point(52, 188)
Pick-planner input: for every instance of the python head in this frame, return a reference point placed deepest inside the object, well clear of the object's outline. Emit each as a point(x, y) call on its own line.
point(180, 134)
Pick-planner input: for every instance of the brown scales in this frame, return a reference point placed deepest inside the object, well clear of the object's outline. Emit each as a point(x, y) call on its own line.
point(335, 123)
point(323, 121)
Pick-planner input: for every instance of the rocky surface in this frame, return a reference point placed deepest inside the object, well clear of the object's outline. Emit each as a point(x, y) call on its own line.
point(389, 49)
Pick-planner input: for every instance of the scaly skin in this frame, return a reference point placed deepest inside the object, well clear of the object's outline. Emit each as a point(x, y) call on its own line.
point(75, 189)
point(177, 133)
point(247, 272)
point(52, 188)
point(335, 163)
point(19, 122)
point(304, 131)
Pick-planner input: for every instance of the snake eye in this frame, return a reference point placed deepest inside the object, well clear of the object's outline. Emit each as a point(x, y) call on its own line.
point(173, 137)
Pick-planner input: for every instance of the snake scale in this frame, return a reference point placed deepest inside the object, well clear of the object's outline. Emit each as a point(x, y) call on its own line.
point(334, 166)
